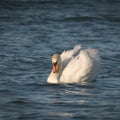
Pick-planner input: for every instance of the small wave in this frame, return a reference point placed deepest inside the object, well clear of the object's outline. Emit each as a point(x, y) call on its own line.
point(18, 101)
point(81, 18)
point(61, 114)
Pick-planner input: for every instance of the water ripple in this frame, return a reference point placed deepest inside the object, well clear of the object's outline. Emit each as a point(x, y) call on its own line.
point(30, 32)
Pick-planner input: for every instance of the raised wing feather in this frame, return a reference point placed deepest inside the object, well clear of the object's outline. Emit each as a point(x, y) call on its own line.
point(67, 56)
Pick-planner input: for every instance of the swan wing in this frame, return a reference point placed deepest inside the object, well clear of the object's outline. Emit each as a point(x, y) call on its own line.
point(82, 67)
point(90, 65)
point(67, 56)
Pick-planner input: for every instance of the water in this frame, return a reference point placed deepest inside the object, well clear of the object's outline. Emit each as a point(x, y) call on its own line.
point(30, 32)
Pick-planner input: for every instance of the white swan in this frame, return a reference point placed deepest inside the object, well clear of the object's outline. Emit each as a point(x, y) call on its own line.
point(75, 66)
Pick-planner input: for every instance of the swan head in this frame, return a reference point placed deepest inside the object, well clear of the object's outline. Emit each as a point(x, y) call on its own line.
point(56, 61)
point(56, 69)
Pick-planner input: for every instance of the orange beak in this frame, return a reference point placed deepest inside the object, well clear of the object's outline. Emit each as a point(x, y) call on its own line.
point(54, 69)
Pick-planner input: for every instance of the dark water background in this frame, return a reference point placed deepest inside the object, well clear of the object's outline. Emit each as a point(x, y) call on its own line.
point(30, 32)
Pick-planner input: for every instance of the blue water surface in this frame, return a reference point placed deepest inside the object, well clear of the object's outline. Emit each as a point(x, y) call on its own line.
point(30, 32)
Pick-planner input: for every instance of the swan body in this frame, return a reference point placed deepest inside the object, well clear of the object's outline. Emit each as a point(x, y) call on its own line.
point(75, 66)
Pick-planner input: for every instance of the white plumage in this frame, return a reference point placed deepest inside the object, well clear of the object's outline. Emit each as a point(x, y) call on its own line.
point(75, 66)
